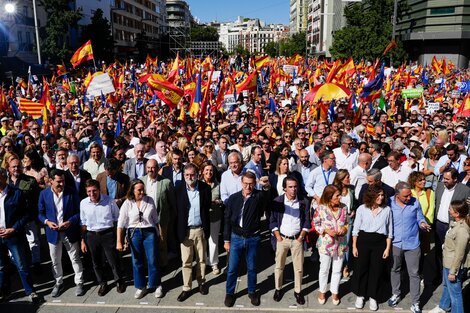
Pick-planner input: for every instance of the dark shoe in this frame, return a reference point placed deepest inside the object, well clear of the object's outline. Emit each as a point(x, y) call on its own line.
point(35, 298)
point(57, 290)
point(254, 297)
point(80, 290)
point(183, 296)
point(103, 290)
point(277, 295)
point(299, 298)
point(37, 269)
point(229, 300)
point(203, 289)
point(120, 287)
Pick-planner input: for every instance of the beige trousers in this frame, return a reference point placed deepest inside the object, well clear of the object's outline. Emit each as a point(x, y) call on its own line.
point(297, 251)
point(194, 243)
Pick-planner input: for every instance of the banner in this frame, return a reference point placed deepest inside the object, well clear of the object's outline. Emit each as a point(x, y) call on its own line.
point(412, 93)
point(101, 84)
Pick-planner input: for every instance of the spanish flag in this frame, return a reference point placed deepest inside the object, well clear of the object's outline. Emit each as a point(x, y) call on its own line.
point(262, 61)
point(166, 91)
point(84, 53)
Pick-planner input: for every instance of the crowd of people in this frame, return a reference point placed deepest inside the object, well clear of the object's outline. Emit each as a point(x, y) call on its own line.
point(365, 188)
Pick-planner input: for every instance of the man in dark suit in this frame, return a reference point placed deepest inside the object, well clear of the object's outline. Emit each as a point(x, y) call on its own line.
point(174, 171)
point(378, 161)
point(289, 222)
point(13, 219)
point(59, 211)
point(221, 154)
point(447, 191)
point(193, 227)
point(135, 167)
point(374, 177)
point(112, 182)
point(76, 178)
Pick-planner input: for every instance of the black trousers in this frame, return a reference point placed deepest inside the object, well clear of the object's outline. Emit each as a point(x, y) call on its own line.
point(369, 264)
point(99, 244)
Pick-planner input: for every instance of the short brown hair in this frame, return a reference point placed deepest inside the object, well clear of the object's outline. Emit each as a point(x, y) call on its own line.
point(371, 194)
point(415, 177)
point(130, 193)
point(92, 183)
point(327, 194)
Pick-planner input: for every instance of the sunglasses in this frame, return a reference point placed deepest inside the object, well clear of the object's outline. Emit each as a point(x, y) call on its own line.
point(141, 214)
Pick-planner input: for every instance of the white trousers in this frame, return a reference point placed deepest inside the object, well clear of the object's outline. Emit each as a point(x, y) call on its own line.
point(325, 265)
point(73, 250)
point(213, 245)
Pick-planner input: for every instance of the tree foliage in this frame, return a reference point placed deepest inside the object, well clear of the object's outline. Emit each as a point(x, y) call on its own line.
point(99, 32)
point(204, 33)
point(287, 47)
point(60, 18)
point(368, 31)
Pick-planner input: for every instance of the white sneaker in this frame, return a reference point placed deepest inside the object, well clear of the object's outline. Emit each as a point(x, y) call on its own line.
point(437, 309)
point(373, 304)
point(159, 292)
point(140, 293)
point(215, 270)
point(359, 303)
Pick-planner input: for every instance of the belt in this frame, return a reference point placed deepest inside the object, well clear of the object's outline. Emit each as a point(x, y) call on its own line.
point(102, 232)
point(195, 227)
point(246, 235)
point(442, 222)
point(290, 237)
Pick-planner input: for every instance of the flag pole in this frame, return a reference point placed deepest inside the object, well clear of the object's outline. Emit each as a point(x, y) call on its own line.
point(94, 64)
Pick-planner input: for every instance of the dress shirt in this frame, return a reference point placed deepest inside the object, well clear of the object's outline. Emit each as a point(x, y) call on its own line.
point(391, 177)
point(177, 176)
point(151, 189)
point(254, 168)
point(443, 210)
point(139, 168)
point(129, 214)
point(358, 178)
point(242, 211)
point(318, 179)
point(458, 165)
point(346, 161)
point(100, 215)
point(290, 225)
point(304, 171)
point(59, 206)
point(366, 221)
point(160, 160)
point(3, 195)
point(93, 167)
point(406, 223)
point(229, 184)
point(111, 185)
point(194, 216)
point(77, 180)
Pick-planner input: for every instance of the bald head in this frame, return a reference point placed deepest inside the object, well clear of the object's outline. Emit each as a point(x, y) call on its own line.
point(364, 160)
point(152, 168)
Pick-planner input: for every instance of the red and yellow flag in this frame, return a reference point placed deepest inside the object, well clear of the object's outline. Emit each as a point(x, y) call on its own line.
point(166, 91)
point(33, 109)
point(84, 53)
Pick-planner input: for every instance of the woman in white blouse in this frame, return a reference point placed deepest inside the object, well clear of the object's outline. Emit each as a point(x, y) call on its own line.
point(139, 215)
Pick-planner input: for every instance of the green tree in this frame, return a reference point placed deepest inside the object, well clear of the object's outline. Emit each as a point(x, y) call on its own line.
point(99, 32)
point(368, 31)
point(204, 33)
point(272, 49)
point(60, 19)
point(287, 47)
point(241, 50)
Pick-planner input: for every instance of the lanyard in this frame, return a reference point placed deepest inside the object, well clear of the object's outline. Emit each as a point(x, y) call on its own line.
point(327, 179)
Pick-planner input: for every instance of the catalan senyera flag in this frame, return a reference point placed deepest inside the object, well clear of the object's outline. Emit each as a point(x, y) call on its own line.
point(84, 53)
point(166, 91)
point(33, 108)
point(370, 129)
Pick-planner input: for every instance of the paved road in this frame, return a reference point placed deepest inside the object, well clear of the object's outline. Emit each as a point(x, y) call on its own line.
point(213, 302)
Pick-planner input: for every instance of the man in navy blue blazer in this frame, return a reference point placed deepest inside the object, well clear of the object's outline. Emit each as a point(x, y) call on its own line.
point(59, 211)
point(13, 218)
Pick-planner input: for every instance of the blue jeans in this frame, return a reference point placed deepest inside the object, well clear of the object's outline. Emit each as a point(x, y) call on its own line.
point(347, 255)
point(451, 299)
point(144, 241)
point(239, 244)
point(17, 247)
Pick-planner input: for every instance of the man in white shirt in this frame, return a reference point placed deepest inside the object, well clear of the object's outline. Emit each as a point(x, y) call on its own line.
point(394, 172)
point(346, 155)
point(95, 164)
point(452, 159)
point(135, 167)
point(99, 214)
point(160, 154)
point(358, 174)
point(230, 182)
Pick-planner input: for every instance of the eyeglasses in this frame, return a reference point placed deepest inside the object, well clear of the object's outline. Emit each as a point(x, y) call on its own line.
point(8, 147)
point(270, 123)
point(199, 139)
point(241, 138)
point(301, 133)
point(265, 143)
point(35, 128)
point(412, 156)
point(466, 164)
point(287, 136)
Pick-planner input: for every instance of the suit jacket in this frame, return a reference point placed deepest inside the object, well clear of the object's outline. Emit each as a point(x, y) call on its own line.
point(16, 210)
point(121, 188)
point(166, 200)
point(389, 192)
point(219, 161)
point(130, 168)
point(380, 163)
point(462, 176)
point(462, 192)
point(30, 189)
point(71, 208)
point(70, 181)
point(278, 210)
point(167, 172)
point(183, 206)
point(274, 178)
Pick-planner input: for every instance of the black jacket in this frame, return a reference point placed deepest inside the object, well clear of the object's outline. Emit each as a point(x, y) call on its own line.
point(70, 181)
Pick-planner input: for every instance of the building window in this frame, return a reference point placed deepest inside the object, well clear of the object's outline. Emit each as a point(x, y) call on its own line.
point(20, 37)
point(441, 11)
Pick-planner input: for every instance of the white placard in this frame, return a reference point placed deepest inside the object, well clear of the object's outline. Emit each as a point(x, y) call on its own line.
point(432, 107)
point(289, 69)
point(285, 102)
point(100, 84)
point(215, 76)
point(229, 102)
point(455, 94)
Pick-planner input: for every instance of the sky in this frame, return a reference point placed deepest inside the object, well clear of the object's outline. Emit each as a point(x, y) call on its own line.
point(271, 11)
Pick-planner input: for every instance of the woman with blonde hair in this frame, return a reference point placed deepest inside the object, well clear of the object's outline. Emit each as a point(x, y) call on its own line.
point(331, 223)
point(428, 167)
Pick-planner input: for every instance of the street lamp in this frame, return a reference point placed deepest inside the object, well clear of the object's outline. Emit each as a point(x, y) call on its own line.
point(10, 8)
